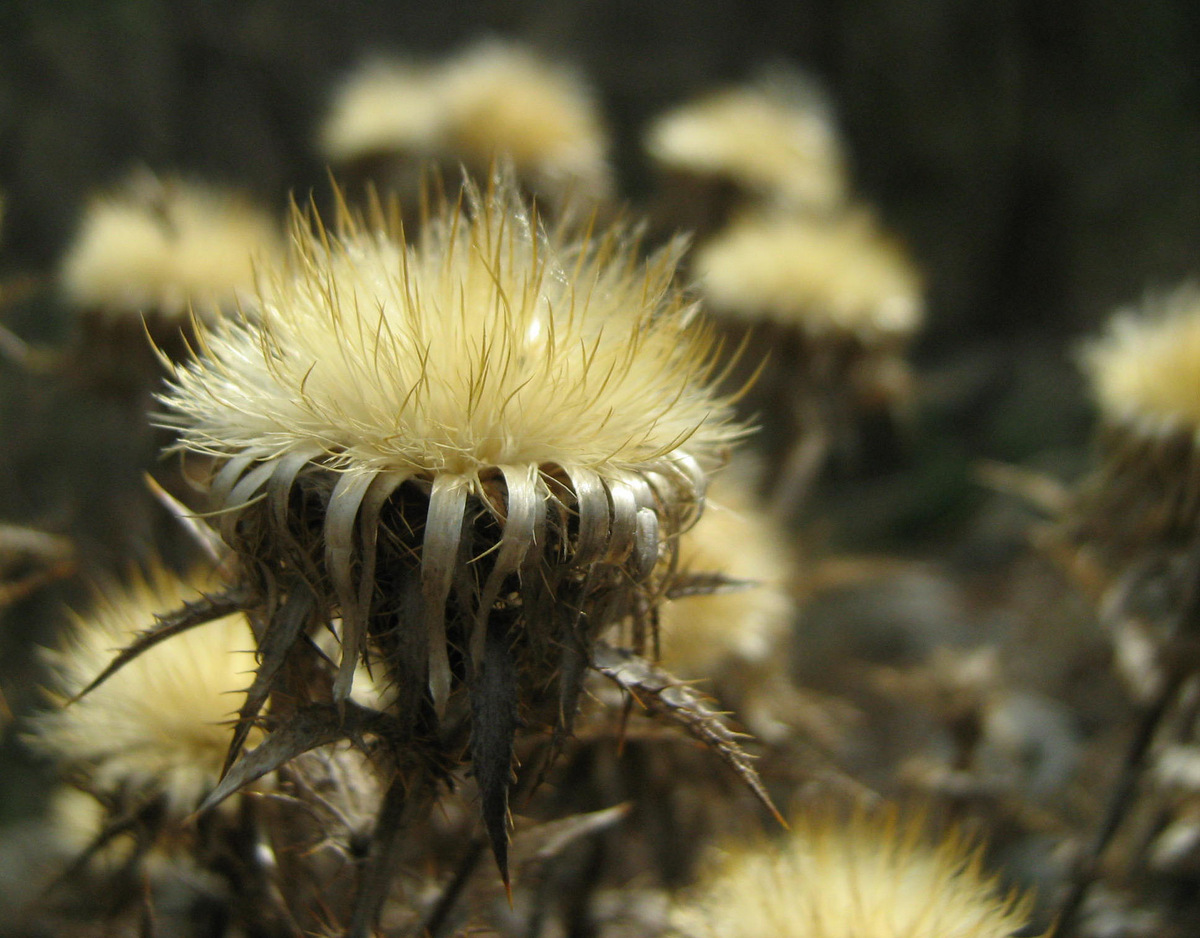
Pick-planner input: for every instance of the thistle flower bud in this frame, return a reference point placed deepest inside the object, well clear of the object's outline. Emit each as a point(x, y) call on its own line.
point(874, 876)
point(1130, 531)
point(475, 450)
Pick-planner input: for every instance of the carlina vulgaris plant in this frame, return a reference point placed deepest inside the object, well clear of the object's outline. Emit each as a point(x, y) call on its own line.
point(836, 301)
point(1131, 529)
point(468, 455)
point(873, 874)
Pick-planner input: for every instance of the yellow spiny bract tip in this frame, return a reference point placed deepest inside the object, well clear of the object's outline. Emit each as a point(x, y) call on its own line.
point(162, 246)
point(161, 724)
point(824, 276)
point(1145, 370)
point(702, 634)
point(871, 876)
point(774, 138)
point(485, 342)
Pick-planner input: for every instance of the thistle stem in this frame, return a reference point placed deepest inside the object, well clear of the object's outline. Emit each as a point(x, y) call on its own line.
point(1087, 868)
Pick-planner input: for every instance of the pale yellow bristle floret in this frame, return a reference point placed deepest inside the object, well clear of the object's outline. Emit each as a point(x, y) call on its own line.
point(164, 247)
point(161, 725)
point(823, 276)
point(486, 343)
point(1145, 371)
point(385, 107)
point(773, 138)
point(503, 102)
point(701, 634)
point(869, 877)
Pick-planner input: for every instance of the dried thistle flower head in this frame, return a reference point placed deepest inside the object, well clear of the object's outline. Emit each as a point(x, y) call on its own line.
point(775, 139)
point(160, 727)
point(160, 246)
point(828, 277)
point(872, 876)
point(475, 449)
point(385, 106)
point(492, 101)
point(1145, 376)
point(1145, 371)
point(835, 302)
point(504, 102)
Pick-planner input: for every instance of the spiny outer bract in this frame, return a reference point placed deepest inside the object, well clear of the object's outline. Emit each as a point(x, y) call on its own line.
point(476, 450)
point(835, 276)
point(163, 246)
point(874, 876)
point(742, 625)
point(1145, 371)
point(161, 725)
point(774, 138)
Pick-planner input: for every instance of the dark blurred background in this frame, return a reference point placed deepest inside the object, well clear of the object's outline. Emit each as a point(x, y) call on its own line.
point(1041, 159)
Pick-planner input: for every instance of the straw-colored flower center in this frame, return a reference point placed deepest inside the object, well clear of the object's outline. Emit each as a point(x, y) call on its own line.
point(487, 342)
point(1146, 371)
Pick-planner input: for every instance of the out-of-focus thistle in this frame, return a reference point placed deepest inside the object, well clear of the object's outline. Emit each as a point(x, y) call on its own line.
point(837, 302)
point(492, 101)
point(161, 247)
point(769, 143)
point(507, 103)
point(1132, 529)
point(469, 455)
point(1135, 521)
point(157, 731)
point(144, 749)
point(872, 876)
point(1145, 378)
point(729, 614)
point(150, 254)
